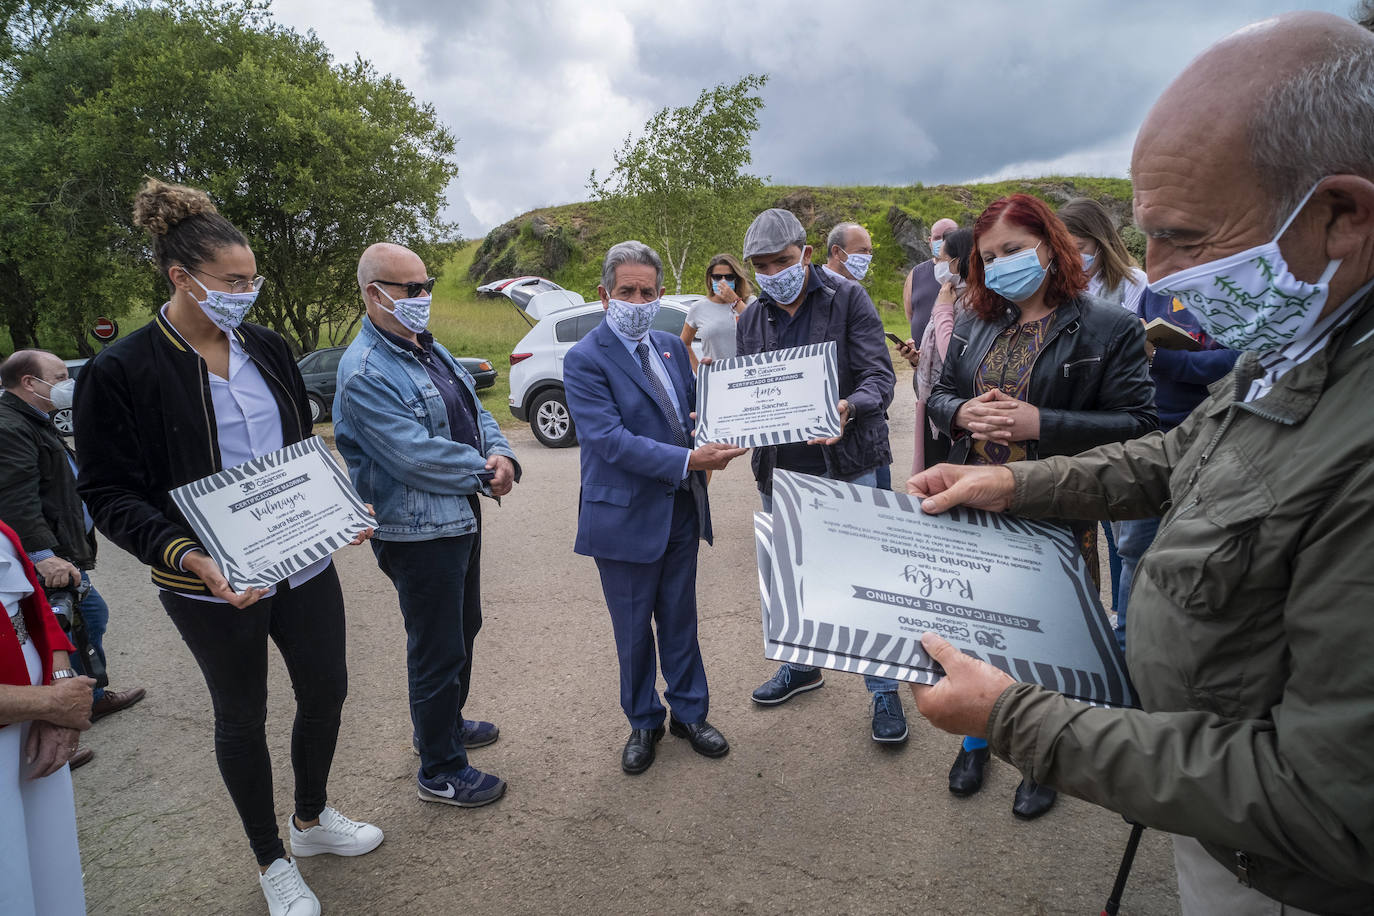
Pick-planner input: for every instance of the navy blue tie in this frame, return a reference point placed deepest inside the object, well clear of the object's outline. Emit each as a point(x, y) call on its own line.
point(660, 394)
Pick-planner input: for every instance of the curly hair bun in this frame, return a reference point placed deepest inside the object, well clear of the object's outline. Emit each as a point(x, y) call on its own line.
point(160, 206)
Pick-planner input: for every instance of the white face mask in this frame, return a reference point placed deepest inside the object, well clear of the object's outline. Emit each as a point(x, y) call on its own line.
point(226, 310)
point(1250, 300)
point(943, 274)
point(786, 285)
point(857, 264)
point(60, 395)
point(632, 319)
point(413, 314)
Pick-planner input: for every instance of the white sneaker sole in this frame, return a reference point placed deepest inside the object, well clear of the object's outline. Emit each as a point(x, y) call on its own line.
point(789, 694)
point(304, 849)
point(426, 796)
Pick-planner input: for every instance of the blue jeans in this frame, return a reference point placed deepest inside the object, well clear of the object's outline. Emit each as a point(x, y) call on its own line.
point(1113, 564)
point(874, 684)
point(438, 584)
point(1133, 538)
point(96, 615)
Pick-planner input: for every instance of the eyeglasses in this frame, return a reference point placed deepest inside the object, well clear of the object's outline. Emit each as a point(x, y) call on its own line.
point(239, 286)
point(723, 278)
point(413, 290)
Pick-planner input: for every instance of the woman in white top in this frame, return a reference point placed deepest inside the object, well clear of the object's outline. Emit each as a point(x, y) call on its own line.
point(1113, 275)
point(712, 320)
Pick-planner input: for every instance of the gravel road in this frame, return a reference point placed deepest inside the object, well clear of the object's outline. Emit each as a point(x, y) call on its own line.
point(805, 815)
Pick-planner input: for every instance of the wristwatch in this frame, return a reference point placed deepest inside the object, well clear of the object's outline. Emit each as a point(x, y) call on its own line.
point(61, 673)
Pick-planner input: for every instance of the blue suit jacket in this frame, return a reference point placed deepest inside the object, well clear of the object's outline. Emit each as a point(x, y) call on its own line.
point(630, 468)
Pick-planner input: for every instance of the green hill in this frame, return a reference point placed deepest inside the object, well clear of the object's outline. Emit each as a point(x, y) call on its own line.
point(566, 243)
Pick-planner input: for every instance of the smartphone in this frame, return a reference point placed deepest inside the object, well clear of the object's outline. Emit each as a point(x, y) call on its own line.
point(895, 339)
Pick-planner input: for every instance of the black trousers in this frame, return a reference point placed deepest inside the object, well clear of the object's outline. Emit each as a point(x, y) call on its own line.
point(438, 583)
point(230, 645)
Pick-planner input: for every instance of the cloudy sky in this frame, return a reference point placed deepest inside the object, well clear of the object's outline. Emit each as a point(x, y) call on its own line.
point(539, 92)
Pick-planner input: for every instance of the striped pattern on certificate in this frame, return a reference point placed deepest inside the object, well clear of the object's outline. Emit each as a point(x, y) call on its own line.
point(827, 423)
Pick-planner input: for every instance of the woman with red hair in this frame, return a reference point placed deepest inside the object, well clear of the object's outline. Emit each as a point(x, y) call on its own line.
point(1037, 368)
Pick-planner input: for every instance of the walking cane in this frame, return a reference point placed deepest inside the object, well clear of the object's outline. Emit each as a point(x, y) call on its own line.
point(1124, 872)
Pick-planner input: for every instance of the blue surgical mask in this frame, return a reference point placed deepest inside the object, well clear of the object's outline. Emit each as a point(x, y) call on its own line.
point(632, 319)
point(857, 264)
point(1088, 261)
point(413, 314)
point(226, 310)
point(786, 285)
point(1015, 277)
point(935, 247)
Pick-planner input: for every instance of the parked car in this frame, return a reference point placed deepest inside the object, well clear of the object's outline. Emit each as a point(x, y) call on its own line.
point(63, 418)
point(536, 365)
point(534, 297)
point(320, 370)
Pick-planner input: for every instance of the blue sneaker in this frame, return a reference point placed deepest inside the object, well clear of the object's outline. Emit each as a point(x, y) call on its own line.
point(474, 734)
point(469, 788)
point(786, 684)
point(889, 722)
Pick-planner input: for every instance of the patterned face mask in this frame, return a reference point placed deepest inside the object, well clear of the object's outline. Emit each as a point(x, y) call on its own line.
point(226, 310)
point(786, 285)
point(632, 319)
point(413, 313)
point(857, 264)
point(1250, 300)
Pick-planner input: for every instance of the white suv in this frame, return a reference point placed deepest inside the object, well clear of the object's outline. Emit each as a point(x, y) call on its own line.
point(536, 365)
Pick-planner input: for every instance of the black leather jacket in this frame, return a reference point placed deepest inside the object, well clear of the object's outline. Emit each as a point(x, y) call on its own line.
point(1090, 379)
point(37, 488)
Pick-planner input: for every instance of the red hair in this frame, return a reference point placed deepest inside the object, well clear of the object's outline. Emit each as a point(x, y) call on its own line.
point(1066, 280)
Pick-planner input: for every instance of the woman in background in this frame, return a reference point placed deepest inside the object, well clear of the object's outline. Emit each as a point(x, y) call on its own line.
point(712, 320)
point(1113, 274)
point(951, 270)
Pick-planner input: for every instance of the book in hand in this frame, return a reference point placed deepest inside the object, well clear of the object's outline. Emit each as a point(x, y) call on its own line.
point(1169, 336)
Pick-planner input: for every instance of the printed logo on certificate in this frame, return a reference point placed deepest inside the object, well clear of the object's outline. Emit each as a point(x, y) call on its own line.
point(770, 398)
point(850, 577)
point(273, 516)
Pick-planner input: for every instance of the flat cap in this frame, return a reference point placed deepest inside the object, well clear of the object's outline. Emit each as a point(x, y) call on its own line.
point(773, 230)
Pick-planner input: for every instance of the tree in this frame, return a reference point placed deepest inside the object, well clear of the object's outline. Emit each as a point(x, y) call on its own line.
point(671, 184)
point(313, 161)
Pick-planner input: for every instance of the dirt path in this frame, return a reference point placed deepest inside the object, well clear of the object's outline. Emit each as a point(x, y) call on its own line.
point(805, 815)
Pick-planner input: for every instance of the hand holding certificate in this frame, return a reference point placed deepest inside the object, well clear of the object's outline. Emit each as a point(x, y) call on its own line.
point(770, 398)
point(851, 577)
point(275, 515)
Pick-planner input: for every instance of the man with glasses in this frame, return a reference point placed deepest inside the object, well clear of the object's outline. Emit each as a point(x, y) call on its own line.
point(421, 448)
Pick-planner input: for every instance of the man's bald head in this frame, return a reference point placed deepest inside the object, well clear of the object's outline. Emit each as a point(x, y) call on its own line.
point(385, 261)
point(1280, 105)
point(941, 227)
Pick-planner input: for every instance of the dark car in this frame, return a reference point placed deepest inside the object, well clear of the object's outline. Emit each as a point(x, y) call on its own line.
point(320, 370)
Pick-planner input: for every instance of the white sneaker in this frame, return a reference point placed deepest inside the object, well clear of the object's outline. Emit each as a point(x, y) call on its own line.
point(286, 892)
point(334, 834)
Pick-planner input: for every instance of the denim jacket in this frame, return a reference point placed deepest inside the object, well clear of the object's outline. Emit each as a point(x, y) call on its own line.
point(391, 427)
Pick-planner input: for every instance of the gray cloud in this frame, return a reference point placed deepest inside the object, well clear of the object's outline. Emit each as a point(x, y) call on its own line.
point(882, 92)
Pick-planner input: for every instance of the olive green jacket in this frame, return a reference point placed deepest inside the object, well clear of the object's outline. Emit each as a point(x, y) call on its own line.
point(1251, 632)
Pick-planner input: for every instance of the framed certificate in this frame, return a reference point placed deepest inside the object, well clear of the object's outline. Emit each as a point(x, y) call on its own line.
point(850, 577)
point(273, 516)
point(770, 398)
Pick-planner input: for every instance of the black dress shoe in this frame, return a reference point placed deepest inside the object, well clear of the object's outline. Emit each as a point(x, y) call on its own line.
point(705, 739)
point(1032, 799)
point(639, 750)
point(966, 776)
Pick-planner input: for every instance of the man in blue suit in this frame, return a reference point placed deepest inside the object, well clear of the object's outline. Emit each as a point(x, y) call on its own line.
point(643, 503)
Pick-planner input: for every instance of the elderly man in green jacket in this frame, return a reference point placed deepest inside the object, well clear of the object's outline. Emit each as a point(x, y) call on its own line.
point(1251, 635)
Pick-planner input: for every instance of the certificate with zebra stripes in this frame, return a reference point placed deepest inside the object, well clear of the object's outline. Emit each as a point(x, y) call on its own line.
point(770, 398)
point(850, 577)
point(273, 516)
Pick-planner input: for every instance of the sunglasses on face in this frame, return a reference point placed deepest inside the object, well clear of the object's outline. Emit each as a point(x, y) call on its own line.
point(723, 278)
point(413, 290)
